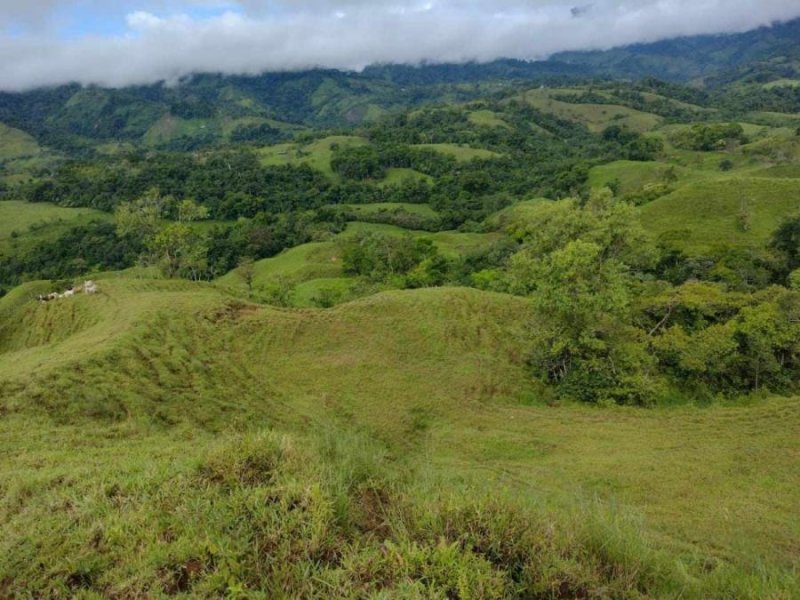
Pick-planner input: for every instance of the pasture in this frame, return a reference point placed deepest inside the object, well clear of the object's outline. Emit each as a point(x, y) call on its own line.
point(16, 144)
point(419, 396)
point(316, 154)
point(703, 215)
point(596, 117)
point(24, 223)
point(460, 152)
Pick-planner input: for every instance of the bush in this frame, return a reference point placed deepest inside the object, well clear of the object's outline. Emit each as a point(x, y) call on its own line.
point(711, 137)
point(358, 162)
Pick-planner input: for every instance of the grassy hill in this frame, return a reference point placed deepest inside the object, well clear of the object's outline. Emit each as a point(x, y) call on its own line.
point(596, 117)
point(701, 216)
point(460, 152)
point(15, 143)
point(316, 154)
point(310, 268)
point(23, 223)
point(223, 446)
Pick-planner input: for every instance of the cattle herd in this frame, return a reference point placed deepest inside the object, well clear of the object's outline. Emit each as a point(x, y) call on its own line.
point(88, 287)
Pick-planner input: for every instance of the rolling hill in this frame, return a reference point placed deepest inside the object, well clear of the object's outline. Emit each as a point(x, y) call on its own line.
point(153, 383)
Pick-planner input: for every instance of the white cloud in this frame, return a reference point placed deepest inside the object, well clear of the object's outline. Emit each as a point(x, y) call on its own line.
point(163, 42)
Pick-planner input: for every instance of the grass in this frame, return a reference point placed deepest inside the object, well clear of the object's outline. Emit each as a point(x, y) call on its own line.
point(16, 144)
point(703, 215)
point(229, 125)
point(305, 267)
point(632, 176)
point(312, 293)
point(162, 438)
point(516, 213)
point(793, 83)
point(301, 263)
point(449, 243)
point(649, 460)
point(24, 223)
point(168, 438)
point(774, 119)
point(358, 228)
point(596, 117)
point(781, 171)
point(170, 127)
point(397, 176)
point(487, 118)
point(317, 154)
point(460, 152)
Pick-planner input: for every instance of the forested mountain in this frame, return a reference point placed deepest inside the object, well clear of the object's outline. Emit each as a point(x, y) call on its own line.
point(711, 59)
point(207, 108)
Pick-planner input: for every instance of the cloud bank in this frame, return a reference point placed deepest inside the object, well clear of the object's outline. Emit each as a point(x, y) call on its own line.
point(170, 39)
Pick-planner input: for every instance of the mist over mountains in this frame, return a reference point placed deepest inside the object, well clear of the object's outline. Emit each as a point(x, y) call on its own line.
point(69, 117)
point(54, 42)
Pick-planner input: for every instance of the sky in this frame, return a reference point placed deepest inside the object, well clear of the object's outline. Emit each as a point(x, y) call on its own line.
point(126, 42)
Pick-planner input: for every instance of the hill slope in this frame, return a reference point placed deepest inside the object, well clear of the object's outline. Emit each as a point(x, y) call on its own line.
point(150, 386)
point(141, 342)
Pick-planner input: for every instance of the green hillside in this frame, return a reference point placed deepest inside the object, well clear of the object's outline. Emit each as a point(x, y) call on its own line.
point(16, 144)
point(23, 223)
point(317, 154)
point(459, 152)
point(309, 268)
point(704, 215)
point(596, 117)
point(180, 373)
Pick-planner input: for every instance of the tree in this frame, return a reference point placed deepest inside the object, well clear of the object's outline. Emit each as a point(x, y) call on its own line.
point(174, 246)
point(379, 257)
point(280, 291)
point(577, 264)
point(786, 240)
point(247, 271)
point(178, 250)
point(357, 162)
point(189, 210)
point(142, 217)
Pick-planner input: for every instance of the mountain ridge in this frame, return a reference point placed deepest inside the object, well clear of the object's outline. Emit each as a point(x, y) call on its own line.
point(267, 106)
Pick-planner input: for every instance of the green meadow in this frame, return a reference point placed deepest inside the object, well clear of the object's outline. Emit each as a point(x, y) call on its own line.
point(316, 154)
point(704, 215)
point(217, 447)
point(460, 152)
point(23, 223)
point(595, 117)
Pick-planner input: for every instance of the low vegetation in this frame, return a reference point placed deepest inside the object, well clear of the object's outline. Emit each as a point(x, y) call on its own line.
point(300, 458)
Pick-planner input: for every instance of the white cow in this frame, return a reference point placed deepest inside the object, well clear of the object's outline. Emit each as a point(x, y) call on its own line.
point(88, 287)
